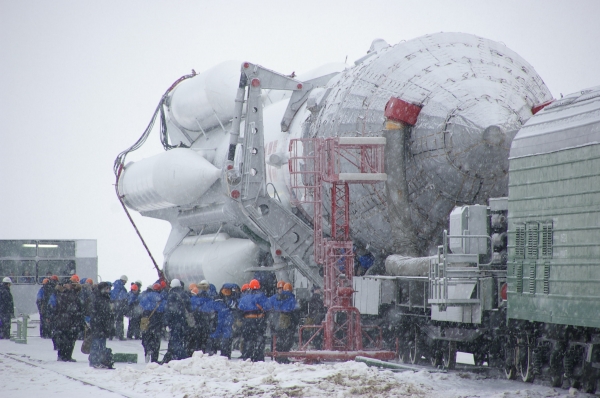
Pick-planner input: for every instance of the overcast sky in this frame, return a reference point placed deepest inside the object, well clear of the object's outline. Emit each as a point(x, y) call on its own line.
point(80, 80)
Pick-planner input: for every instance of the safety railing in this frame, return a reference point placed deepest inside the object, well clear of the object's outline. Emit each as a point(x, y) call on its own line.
point(442, 273)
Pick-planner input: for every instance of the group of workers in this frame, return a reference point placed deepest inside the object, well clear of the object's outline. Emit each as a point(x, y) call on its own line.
point(200, 318)
point(195, 318)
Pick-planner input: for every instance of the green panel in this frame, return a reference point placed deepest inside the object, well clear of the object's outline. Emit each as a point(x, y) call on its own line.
point(122, 357)
point(560, 283)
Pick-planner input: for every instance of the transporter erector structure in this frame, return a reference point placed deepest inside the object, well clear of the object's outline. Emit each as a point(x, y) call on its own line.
point(482, 219)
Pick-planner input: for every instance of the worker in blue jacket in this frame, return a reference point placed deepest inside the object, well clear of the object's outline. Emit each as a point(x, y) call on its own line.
point(222, 305)
point(202, 316)
point(281, 306)
point(42, 304)
point(118, 299)
point(153, 309)
point(254, 324)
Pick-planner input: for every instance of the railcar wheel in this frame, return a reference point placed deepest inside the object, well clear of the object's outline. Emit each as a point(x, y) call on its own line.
point(404, 355)
point(480, 358)
point(414, 348)
point(436, 355)
point(449, 355)
point(525, 358)
point(510, 370)
point(556, 367)
point(556, 380)
point(590, 380)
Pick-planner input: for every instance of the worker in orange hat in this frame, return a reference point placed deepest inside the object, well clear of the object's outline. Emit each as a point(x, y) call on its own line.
point(254, 305)
point(68, 318)
point(281, 308)
point(134, 312)
point(42, 298)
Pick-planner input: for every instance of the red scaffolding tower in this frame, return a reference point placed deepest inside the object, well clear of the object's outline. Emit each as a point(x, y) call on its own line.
point(340, 161)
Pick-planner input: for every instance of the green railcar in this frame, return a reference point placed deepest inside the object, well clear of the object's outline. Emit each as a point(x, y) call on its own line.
point(554, 215)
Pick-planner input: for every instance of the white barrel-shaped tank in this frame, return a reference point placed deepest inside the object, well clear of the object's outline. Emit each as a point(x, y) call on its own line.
point(216, 258)
point(174, 178)
point(207, 100)
point(399, 265)
point(474, 96)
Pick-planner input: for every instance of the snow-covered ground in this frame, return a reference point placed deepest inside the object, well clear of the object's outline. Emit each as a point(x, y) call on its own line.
point(33, 369)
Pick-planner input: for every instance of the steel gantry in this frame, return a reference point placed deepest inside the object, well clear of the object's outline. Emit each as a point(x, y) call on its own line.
point(339, 161)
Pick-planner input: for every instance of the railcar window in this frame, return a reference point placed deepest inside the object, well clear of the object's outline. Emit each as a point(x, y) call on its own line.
point(547, 240)
point(532, 240)
point(519, 275)
point(547, 278)
point(61, 268)
point(21, 272)
point(17, 248)
point(55, 249)
point(520, 242)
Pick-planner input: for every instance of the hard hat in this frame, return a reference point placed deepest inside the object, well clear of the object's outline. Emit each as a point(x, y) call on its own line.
point(156, 286)
point(139, 282)
point(6, 280)
point(245, 287)
point(254, 284)
point(204, 285)
point(163, 284)
point(192, 286)
point(89, 281)
point(287, 287)
point(74, 278)
point(45, 281)
point(123, 278)
point(280, 284)
point(54, 278)
point(134, 288)
point(175, 283)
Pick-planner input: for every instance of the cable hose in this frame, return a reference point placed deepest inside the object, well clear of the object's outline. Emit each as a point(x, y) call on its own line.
point(120, 160)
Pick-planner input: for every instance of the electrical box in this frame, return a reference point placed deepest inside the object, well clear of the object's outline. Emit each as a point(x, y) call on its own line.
point(469, 220)
point(370, 293)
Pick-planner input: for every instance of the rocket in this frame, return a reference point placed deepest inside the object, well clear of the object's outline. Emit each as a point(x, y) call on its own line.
point(462, 100)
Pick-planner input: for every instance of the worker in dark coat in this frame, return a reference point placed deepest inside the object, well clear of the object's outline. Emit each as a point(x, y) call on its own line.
point(316, 314)
point(202, 317)
point(42, 304)
point(50, 309)
point(86, 295)
point(153, 308)
point(7, 308)
point(281, 307)
point(134, 312)
point(221, 306)
point(178, 305)
point(254, 326)
point(118, 298)
point(102, 323)
point(68, 318)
